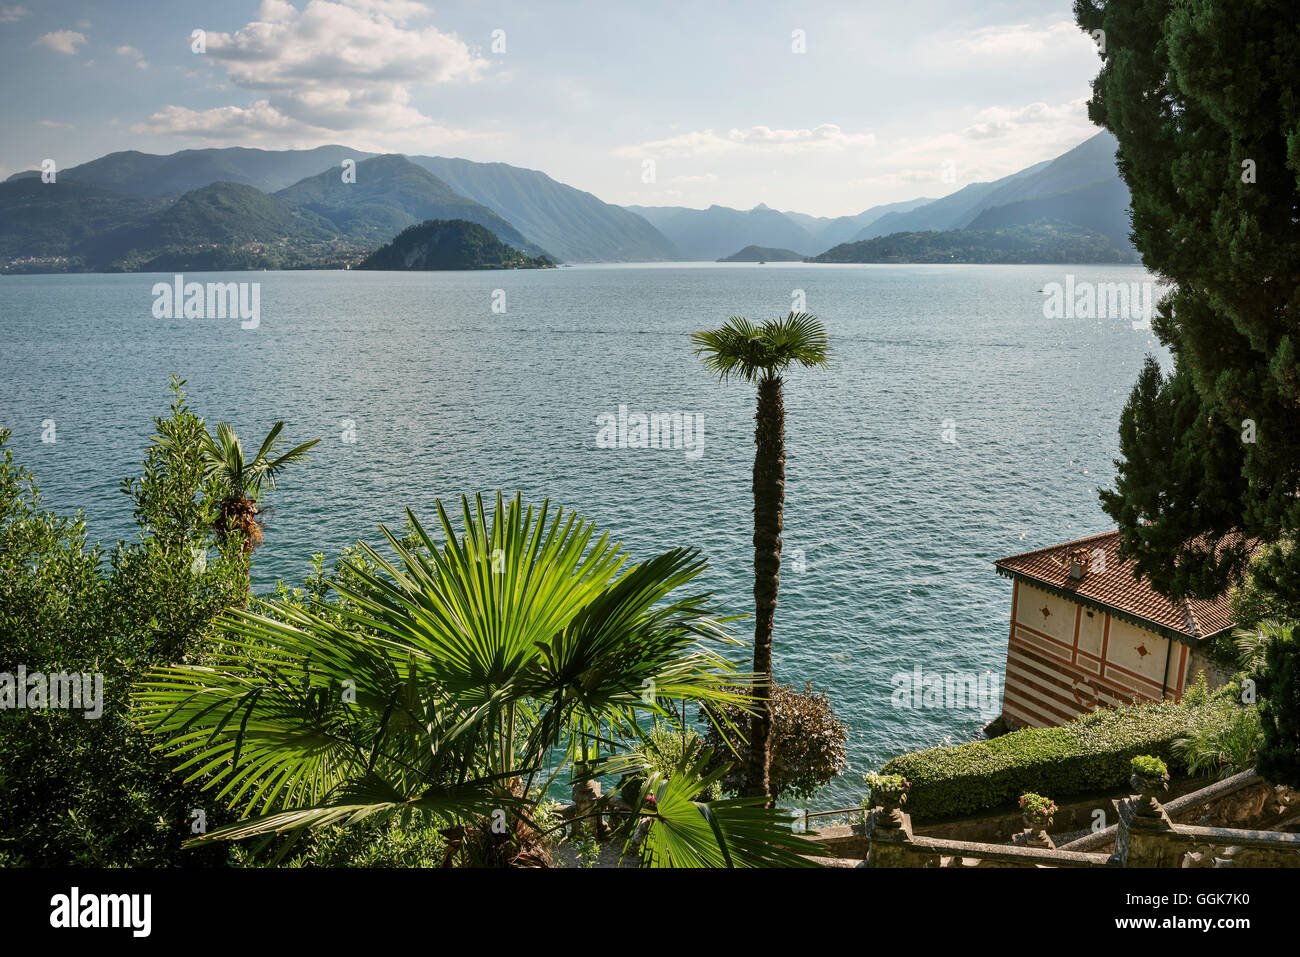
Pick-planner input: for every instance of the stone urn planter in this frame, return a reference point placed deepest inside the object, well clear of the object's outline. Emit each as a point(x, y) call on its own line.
point(1038, 814)
point(1150, 779)
point(889, 793)
point(1149, 791)
point(1035, 822)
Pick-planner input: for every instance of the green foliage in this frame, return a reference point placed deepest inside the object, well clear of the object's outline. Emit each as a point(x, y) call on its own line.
point(809, 744)
point(449, 244)
point(1200, 94)
point(60, 223)
point(90, 792)
point(879, 784)
point(1036, 808)
point(1148, 766)
point(733, 832)
point(445, 680)
point(1091, 753)
point(756, 350)
point(1258, 598)
point(587, 849)
point(319, 222)
point(664, 748)
point(219, 225)
point(225, 464)
point(1279, 710)
point(1223, 750)
point(1197, 693)
point(368, 844)
point(1044, 242)
point(1252, 643)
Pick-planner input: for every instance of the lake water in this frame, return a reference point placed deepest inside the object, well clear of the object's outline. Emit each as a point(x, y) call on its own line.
point(890, 530)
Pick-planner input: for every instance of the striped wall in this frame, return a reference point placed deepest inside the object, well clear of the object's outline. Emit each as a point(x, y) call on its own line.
point(1064, 660)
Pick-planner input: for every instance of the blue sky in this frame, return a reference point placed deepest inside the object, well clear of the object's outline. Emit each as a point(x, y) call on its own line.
point(824, 108)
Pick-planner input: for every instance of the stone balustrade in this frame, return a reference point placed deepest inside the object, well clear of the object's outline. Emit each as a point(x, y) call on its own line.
point(1146, 836)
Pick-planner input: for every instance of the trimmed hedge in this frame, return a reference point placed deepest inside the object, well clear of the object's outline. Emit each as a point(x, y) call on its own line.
point(1091, 753)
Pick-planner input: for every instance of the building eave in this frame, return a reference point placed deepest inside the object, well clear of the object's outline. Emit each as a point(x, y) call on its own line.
point(1115, 612)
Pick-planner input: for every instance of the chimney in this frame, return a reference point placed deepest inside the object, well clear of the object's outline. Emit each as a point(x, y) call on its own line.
point(1077, 563)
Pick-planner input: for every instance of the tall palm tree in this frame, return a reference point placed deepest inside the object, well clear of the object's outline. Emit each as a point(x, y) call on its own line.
point(241, 480)
point(761, 353)
point(444, 683)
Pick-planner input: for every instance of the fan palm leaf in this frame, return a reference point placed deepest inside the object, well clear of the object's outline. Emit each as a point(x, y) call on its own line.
point(406, 695)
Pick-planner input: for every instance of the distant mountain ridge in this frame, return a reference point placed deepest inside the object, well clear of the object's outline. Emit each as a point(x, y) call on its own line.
point(111, 212)
point(709, 234)
point(1081, 187)
point(572, 224)
point(831, 232)
point(1090, 164)
point(390, 193)
point(567, 222)
point(152, 174)
point(1042, 242)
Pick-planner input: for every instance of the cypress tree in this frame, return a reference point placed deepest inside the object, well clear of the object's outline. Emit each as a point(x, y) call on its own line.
point(1204, 99)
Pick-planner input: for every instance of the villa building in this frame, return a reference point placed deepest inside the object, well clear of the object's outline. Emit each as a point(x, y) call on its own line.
point(1086, 632)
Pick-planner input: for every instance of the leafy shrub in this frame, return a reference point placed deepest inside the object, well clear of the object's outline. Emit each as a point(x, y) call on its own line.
point(1258, 599)
point(1279, 710)
point(880, 784)
point(809, 744)
point(374, 843)
point(1091, 753)
point(1197, 693)
point(1223, 751)
point(91, 793)
point(1148, 766)
point(664, 747)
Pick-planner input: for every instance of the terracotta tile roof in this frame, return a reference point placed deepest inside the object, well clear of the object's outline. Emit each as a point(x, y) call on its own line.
point(1110, 585)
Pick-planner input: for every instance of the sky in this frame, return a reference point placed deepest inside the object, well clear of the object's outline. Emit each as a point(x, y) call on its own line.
point(821, 108)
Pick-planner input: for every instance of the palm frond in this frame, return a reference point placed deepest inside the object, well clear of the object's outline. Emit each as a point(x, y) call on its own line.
point(416, 681)
point(737, 832)
point(752, 351)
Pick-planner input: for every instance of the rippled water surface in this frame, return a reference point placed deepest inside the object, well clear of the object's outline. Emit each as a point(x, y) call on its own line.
point(890, 531)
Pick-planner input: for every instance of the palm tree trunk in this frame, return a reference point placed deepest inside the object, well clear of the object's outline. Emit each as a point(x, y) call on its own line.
point(769, 504)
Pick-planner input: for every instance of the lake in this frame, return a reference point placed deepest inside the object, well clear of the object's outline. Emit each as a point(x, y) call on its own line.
point(956, 425)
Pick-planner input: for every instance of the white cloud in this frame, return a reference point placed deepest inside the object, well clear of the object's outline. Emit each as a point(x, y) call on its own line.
point(331, 68)
point(902, 177)
point(56, 126)
point(12, 14)
point(825, 138)
point(61, 41)
point(999, 121)
point(1000, 140)
point(262, 122)
point(134, 54)
point(702, 178)
point(1020, 39)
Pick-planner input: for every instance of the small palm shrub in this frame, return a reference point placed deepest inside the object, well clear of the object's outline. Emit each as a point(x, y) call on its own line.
point(1223, 751)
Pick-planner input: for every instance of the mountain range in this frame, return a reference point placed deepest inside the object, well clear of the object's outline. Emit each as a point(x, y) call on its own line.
point(244, 208)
